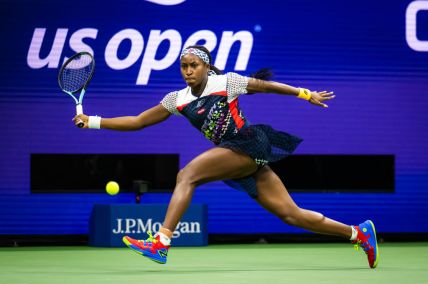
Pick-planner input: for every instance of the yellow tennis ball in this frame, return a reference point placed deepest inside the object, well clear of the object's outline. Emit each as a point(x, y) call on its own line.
point(112, 188)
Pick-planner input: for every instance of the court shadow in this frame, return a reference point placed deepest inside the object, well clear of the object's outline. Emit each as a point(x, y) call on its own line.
point(225, 270)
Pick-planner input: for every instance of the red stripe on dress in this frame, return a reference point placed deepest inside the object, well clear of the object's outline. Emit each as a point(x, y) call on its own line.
point(180, 108)
point(221, 93)
point(233, 107)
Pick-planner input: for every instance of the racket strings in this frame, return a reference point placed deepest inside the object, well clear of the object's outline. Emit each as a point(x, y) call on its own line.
point(76, 73)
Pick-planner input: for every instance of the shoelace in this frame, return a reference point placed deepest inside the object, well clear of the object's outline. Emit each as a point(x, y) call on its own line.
point(150, 239)
point(366, 246)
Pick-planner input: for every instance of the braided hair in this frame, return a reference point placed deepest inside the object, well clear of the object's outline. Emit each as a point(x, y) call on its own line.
point(262, 74)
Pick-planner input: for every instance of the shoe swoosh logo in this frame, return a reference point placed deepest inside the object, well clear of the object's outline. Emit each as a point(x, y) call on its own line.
point(163, 253)
point(166, 2)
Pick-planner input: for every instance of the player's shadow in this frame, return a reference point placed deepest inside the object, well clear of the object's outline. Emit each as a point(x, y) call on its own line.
point(225, 270)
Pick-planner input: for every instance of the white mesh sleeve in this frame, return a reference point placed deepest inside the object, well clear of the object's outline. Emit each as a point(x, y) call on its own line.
point(170, 102)
point(236, 85)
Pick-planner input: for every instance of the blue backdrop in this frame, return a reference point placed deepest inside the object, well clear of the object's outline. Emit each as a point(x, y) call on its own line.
point(372, 54)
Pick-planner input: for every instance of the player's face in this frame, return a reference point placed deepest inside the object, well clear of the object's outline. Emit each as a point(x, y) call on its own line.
point(193, 70)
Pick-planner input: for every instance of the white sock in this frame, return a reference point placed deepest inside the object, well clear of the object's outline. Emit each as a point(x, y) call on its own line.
point(164, 239)
point(354, 234)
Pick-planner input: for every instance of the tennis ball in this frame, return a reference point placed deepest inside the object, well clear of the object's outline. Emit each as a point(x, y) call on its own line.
point(112, 188)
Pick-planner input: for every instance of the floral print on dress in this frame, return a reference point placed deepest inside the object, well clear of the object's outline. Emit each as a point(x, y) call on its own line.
point(217, 122)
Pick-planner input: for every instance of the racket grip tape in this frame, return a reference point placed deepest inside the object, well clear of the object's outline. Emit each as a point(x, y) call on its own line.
point(79, 110)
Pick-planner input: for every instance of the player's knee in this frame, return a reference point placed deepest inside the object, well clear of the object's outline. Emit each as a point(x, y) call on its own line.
point(179, 176)
point(290, 220)
point(299, 217)
point(291, 216)
point(187, 177)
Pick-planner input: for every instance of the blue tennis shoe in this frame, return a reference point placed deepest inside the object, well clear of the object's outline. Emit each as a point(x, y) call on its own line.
point(366, 239)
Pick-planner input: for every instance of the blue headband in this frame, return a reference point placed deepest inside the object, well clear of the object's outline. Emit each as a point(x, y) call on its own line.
point(199, 53)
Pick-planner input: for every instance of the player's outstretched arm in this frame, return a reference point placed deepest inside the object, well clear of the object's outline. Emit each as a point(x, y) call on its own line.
point(149, 117)
point(261, 86)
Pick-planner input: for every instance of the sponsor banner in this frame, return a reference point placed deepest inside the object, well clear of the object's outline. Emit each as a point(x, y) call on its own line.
point(110, 223)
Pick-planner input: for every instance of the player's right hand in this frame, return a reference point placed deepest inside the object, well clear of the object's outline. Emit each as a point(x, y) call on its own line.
point(81, 117)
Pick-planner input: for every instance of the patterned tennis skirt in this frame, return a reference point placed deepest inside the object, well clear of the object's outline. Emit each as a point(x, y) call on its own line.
point(263, 144)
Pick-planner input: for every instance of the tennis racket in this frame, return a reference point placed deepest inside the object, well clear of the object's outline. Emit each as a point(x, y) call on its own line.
point(74, 76)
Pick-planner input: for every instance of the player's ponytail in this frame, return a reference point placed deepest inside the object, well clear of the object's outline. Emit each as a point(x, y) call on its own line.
point(263, 74)
point(215, 69)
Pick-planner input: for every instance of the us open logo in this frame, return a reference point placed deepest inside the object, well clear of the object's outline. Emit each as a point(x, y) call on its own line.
point(143, 50)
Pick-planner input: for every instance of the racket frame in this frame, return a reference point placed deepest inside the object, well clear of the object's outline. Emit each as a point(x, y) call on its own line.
point(82, 90)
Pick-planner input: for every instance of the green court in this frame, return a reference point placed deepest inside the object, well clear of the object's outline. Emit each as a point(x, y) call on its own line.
point(253, 263)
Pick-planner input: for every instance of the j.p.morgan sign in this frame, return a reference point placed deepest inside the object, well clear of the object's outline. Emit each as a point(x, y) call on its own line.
point(109, 223)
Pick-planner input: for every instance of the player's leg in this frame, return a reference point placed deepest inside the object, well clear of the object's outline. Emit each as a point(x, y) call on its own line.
point(214, 164)
point(274, 197)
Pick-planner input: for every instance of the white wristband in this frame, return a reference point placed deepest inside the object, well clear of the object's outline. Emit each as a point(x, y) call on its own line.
point(94, 122)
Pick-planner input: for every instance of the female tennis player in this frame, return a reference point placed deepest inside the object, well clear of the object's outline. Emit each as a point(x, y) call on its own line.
point(241, 154)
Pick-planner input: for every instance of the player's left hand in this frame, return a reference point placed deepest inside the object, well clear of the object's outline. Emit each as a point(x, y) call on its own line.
point(318, 98)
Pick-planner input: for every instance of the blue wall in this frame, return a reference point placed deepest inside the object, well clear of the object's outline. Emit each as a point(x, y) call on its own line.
point(362, 50)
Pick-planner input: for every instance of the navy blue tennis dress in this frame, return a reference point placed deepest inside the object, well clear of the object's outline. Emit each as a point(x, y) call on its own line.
point(217, 115)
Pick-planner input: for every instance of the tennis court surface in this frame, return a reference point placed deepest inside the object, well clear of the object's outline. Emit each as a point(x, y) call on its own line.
point(248, 263)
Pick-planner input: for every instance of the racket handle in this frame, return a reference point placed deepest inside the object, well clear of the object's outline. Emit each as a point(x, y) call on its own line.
point(79, 110)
